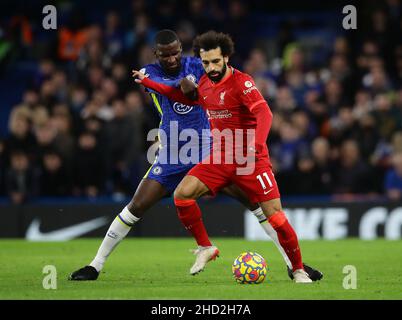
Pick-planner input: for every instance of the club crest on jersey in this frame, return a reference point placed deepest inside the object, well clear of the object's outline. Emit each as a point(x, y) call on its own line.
point(191, 77)
point(180, 108)
point(157, 170)
point(222, 97)
point(144, 71)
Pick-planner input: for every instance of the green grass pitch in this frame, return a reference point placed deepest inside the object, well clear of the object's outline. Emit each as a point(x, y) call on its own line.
point(159, 269)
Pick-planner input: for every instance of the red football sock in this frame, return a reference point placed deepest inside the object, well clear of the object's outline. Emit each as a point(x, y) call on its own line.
point(190, 215)
point(287, 238)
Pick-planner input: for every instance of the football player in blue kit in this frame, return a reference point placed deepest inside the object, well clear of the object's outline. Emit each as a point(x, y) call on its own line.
point(168, 170)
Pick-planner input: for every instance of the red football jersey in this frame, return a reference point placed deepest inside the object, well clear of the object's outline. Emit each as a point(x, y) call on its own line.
point(234, 107)
point(229, 105)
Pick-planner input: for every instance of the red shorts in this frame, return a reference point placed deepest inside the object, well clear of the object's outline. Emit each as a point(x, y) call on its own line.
point(260, 185)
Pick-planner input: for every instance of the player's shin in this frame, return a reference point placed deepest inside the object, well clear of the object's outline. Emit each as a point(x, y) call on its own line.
point(287, 238)
point(189, 214)
point(269, 230)
point(118, 230)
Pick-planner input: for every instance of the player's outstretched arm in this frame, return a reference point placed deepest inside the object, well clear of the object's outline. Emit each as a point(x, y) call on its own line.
point(171, 92)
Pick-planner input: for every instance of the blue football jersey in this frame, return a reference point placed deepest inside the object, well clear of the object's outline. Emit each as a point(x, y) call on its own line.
point(180, 125)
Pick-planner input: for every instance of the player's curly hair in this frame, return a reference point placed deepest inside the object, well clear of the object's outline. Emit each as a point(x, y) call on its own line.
point(212, 40)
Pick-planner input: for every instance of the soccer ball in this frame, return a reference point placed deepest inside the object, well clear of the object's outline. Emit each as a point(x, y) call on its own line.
point(249, 267)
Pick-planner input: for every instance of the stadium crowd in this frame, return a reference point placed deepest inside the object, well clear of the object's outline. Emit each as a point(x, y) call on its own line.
point(81, 126)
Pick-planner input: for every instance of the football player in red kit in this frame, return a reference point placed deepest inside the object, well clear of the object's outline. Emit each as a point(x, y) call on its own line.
point(235, 106)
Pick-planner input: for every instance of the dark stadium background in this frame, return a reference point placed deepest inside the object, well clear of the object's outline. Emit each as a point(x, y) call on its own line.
point(73, 125)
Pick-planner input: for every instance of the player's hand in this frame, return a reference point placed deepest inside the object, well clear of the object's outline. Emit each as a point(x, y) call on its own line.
point(138, 76)
point(189, 89)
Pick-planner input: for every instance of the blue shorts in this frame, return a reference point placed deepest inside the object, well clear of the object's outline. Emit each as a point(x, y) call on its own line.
point(167, 175)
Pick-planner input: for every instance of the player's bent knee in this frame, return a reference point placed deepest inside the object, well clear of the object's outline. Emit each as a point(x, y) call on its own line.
point(183, 193)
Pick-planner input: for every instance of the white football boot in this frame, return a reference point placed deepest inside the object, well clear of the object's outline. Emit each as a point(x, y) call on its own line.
point(204, 254)
point(301, 276)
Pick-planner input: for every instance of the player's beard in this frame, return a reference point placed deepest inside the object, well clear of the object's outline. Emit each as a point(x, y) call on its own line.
point(218, 77)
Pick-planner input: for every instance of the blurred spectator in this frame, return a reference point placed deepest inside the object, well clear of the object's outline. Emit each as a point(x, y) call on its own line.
point(284, 102)
point(119, 74)
point(199, 16)
point(61, 121)
point(321, 154)
point(186, 32)
point(393, 178)
point(30, 108)
point(45, 70)
point(45, 136)
point(307, 179)
point(55, 179)
point(20, 137)
point(341, 126)
point(141, 32)
point(367, 135)
point(78, 99)
point(290, 146)
point(114, 34)
point(388, 117)
point(340, 70)
point(363, 104)
point(22, 180)
point(286, 151)
point(121, 152)
point(353, 175)
point(94, 54)
point(72, 37)
point(88, 167)
point(333, 97)
point(239, 25)
point(302, 122)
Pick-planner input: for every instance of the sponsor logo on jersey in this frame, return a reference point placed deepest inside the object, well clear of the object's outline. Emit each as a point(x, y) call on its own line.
point(219, 114)
point(249, 90)
point(181, 108)
point(157, 170)
point(248, 84)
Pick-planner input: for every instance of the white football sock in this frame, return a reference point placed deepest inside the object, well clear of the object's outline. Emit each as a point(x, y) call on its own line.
point(119, 228)
point(271, 233)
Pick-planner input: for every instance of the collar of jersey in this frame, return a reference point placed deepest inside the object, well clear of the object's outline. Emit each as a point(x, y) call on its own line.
point(222, 82)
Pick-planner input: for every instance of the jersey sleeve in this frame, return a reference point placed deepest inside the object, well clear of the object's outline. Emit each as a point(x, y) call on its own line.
point(249, 94)
point(253, 100)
